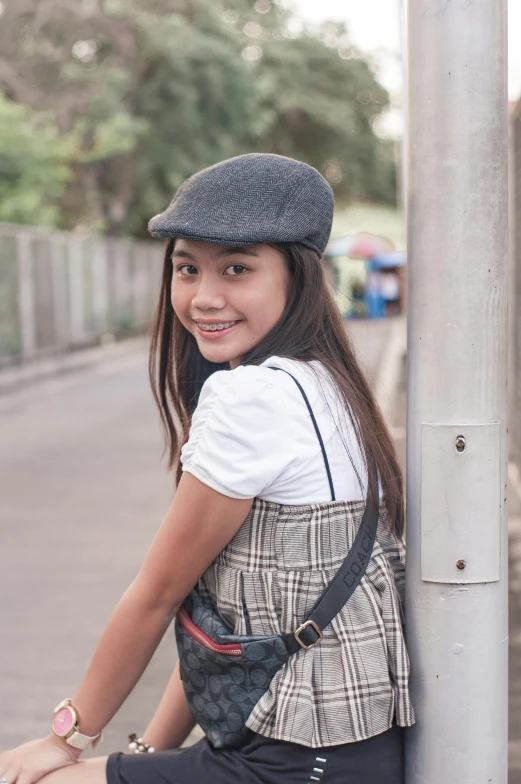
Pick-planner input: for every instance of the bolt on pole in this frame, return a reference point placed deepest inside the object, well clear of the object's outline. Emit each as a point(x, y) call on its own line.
point(456, 611)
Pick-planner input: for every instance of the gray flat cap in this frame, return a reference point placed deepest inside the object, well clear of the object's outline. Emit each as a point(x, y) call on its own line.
point(251, 199)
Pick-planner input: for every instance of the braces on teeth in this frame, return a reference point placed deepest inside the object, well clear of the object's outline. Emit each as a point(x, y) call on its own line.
point(214, 327)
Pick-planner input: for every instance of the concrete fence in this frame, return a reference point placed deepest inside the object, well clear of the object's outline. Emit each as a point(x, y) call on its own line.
point(515, 285)
point(59, 290)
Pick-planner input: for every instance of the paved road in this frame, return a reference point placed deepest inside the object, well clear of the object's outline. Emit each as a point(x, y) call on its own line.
point(369, 339)
point(83, 492)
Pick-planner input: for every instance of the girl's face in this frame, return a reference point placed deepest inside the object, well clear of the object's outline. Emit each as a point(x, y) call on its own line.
point(229, 298)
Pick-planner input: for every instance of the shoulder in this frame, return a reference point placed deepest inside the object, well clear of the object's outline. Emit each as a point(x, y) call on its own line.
point(237, 431)
point(265, 385)
point(240, 382)
point(247, 404)
point(296, 378)
point(239, 392)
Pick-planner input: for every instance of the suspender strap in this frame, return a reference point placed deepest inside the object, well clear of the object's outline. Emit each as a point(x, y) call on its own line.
point(317, 431)
point(348, 577)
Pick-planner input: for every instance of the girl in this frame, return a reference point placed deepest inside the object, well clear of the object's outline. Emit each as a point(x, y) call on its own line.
point(272, 428)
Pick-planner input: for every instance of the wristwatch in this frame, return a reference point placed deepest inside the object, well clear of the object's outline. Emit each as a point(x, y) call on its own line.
point(65, 725)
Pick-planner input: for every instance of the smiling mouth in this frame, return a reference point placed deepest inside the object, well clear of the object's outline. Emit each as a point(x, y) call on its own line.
point(220, 327)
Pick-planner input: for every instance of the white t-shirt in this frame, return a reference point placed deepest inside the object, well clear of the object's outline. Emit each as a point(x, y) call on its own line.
point(252, 436)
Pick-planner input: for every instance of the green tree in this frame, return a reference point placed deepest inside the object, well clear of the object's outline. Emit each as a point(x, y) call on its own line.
point(34, 165)
point(323, 99)
point(145, 92)
point(150, 89)
point(200, 102)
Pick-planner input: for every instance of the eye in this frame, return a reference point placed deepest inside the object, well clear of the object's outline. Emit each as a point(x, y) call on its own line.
point(186, 269)
point(236, 269)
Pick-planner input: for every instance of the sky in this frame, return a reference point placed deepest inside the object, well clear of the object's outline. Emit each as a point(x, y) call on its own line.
point(374, 26)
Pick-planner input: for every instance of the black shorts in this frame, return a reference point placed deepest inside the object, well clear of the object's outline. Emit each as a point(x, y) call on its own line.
point(377, 760)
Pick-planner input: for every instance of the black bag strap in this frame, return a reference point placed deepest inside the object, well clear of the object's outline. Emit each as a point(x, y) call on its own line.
point(343, 584)
point(348, 577)
point(317, 431)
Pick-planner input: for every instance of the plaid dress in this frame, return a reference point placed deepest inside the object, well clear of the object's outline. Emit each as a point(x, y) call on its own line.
point(355, 682)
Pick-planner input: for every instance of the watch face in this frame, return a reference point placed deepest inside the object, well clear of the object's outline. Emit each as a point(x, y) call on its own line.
point(63, 721)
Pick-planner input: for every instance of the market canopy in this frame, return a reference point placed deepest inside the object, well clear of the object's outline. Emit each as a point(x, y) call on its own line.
point(360, 245)
point(388, 260)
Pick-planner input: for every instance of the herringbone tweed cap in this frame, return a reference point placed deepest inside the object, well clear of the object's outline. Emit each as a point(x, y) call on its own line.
point(251, 199)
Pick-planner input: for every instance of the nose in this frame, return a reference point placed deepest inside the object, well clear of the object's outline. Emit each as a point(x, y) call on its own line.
point(208, 294)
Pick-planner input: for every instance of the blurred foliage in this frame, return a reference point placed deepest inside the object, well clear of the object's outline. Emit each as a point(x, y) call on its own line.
point(110, 104)
point(33, 165)
point(323, 107)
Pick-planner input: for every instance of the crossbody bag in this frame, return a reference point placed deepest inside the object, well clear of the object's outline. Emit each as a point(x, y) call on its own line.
point(225, 675)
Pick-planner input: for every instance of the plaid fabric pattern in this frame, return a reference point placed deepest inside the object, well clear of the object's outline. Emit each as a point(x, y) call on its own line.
point(355, 681)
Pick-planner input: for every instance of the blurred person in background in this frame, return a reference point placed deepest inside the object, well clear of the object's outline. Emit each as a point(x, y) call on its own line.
point(287, 479)
point(390, 289)
point(373, 295)
point(357, 300)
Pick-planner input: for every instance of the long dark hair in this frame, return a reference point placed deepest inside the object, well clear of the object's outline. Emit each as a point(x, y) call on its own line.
point(311, 328)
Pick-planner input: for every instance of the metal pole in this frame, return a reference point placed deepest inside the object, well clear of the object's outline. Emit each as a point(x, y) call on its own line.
point(457, 629)
point(26, 294)
point(76, 290)
point(402, 22)
point(59, 291)
point(100, 284)
point(514, 284)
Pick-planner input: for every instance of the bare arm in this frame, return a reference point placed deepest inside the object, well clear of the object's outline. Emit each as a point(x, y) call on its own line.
point(198, 525)
point(172, 721)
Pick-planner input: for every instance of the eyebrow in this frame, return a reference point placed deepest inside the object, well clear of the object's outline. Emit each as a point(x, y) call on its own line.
point(227, 251)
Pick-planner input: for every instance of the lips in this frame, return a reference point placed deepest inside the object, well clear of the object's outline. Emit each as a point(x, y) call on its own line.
point(216, 329)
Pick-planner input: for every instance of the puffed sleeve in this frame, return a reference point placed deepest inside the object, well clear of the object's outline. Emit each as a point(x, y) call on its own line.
point(240, 439)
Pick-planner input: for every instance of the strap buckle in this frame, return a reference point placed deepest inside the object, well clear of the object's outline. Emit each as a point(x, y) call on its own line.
point(301, 629)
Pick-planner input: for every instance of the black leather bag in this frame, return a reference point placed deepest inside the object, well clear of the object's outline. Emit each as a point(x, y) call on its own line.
point(225, 675)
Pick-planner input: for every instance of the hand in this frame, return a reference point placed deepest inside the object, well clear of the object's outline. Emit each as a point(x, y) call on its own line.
point(28, 763)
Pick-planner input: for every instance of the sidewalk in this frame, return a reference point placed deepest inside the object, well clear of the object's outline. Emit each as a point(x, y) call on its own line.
point(381, 347)
point(15, 378)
